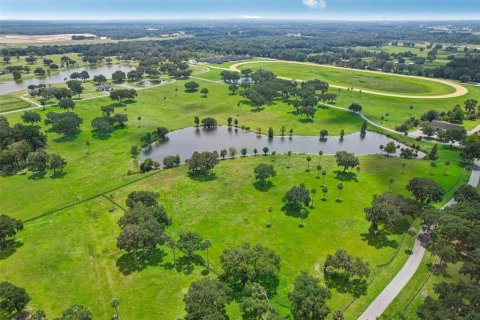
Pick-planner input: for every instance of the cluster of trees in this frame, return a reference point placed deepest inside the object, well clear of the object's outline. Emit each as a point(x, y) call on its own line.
point(456, 115)
point(22, 146)
point(453, 236)
point(62, 94)
point(250, 276)
point(471, 149)
point(66, 123)
point(389, 211)
point(123, 94)
point(159, 134)
point(175, 68)
point(408, 124)
point(202, 163)
point(465, 69)
point(208, 122)
point(346, 271)
point(264, 87)
point(107, 123)
point(17, 71)
point(170, 161)
point(84, 75)
point(143, 224)
point(393, 212)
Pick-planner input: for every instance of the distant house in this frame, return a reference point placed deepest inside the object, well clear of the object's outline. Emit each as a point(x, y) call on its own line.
point(105, 87)
point(440, 125)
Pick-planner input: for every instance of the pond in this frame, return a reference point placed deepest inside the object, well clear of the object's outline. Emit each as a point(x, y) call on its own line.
point(149, 83)
point(185, 141)
point(106, 70)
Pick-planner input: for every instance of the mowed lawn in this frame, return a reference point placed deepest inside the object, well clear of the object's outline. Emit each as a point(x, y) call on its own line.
point(96, 165)
point(380, 82)
point(9, 102)
point(72, 255)
point(391, 112)
point(386, 111)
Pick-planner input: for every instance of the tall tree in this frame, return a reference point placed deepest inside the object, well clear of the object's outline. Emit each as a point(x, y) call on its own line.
point(308, 298)
point(12, 298)
point(206, 299)
point(425, 190)
point(8, 229)
point(77, 312)
point(249, 264)
point(190, 242)
point(296, 198)
point(346, 160)
point(263, 172)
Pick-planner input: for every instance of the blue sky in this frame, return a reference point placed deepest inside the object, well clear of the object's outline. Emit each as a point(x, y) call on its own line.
point(228, 9)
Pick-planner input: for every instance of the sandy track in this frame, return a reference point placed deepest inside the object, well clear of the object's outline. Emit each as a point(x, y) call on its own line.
point(459, 90)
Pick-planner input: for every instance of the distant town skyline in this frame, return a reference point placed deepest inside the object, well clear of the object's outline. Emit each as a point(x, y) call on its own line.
point(240, 9)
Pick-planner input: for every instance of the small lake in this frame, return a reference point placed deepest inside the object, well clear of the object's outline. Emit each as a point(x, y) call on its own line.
point(149, 83)
point(107, 70)
point(185, 141)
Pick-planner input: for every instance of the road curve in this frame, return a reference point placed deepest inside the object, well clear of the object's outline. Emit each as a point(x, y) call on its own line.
point(459, 90)
point(383, 300)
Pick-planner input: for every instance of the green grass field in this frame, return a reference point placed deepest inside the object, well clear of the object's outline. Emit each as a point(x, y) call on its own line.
point(9, 102)
point(422, 285)
point(386, 83)
point(89, 165)
point(20, 61)
point(71, 252)
point(73, 259)
point(376, 107)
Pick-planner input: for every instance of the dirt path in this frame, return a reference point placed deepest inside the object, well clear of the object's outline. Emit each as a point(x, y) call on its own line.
point(459, 90)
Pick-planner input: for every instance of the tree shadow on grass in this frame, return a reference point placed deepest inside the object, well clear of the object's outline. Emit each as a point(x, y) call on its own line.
point(186, 264)
point(9, 248)
point(305, 120)
point(100, 136)
point(67, 138)
point(127, 264)
point(116, 105)
point(345, 176)
point(263, 186)
point(291, 211)
point(37, 176)
point(202, 177)
point(379, 240)
point(255, 109)
point(343, 284)
point(269, 282)
point(58, 175)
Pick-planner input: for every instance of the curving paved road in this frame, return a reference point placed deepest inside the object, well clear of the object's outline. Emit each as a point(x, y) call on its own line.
point(459, 90)
point(383, 300)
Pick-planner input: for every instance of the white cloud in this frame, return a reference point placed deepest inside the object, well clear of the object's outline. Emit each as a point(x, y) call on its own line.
point(315, 4)
point(250, 17)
